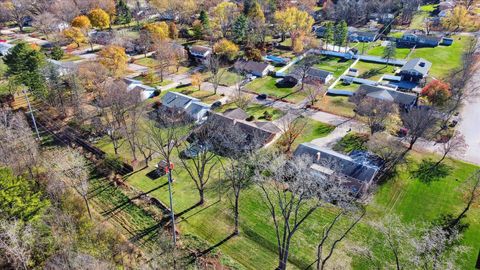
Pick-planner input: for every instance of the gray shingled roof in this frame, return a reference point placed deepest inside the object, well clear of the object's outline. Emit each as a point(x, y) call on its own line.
point(251, 66)
point(314, 73)
point(177, 100)
point(419, 65)
point(237, 114)
point(387, 94)
point(337, 162)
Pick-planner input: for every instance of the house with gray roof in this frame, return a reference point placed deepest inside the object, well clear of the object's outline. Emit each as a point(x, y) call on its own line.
point(200, 53)
point(359, 171)
point(410, 40)
point(258, 69)
point(415, 70)
point(312, 76)
point(407, 100)
point(192, 106)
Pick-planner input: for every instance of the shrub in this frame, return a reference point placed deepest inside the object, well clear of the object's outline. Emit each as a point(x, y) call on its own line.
point(57, 53)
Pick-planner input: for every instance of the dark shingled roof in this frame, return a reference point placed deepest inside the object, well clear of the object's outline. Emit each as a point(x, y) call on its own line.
point(177, 100)
point(337, 162)
point(387, 94)
point(201, 50)
point(251, 66)
point(312, 73)
point(419, 65)
point(237, 114)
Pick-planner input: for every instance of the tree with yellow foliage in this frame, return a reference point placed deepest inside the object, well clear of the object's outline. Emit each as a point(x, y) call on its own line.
point(457, 19)
point(82, 22)
point(224, 14)
point(225, 47)
point(99, 18)
point(114, 59)
point(75, 35)
point(158, 31)
point(196, 80)
point(298, 23)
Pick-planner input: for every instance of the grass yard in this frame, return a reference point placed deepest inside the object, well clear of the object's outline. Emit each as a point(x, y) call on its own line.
point(156, 81)
point(444, 59)
point(314, 130)
point(373, 71)
point(205, 96)
point(268, 85)
point(3, 68)
point(147, 62)
point(401, 53)
point(256, 110)
point(228, 78)
point(334, 64)
point(353, 87)
point(338, 105)
point(351, 142)
point(418, 19)
point(70, 58)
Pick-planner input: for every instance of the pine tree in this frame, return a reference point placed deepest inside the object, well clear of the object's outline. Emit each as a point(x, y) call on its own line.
point(204, 19)
point(341, 34)
point(240, 27)
point(328, 35)
point(124, 15)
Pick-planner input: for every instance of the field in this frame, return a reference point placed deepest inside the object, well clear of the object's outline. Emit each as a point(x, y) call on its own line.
point(269, 86)
point(373, 71)
point(444, 58)
point(255, 247)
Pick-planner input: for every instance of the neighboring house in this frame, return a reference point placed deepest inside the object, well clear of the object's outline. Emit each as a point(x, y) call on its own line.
point(381, 17)
point(358, 168)
point(410, 40)
point(361, 36)
point(258, 69)
point(263, 132)
point(5, 48)
point(415, 70)
point(147, 91)
point(312, 76)
point(192, 106)
point(200, 53)
point(353, 72)
point(406, 100)
point(63, 68)
point(447, 41)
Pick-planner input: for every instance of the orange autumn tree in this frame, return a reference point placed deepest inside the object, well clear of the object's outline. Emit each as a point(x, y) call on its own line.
point(437, 92)
point(114, 59)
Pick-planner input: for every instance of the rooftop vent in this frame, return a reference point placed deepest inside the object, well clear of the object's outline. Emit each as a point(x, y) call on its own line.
point(422, 64)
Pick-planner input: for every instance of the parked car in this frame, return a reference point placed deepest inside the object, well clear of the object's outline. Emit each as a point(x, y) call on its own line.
point(262, 97)
point(216, 104)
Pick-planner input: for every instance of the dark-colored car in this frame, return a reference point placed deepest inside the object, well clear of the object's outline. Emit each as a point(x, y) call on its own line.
point(262, 97)
point(216, 104)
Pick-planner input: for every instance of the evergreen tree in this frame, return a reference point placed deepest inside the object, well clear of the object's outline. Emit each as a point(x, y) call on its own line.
point(341, 33)
point(204, 19)
point(24, 65)
point(328, 35)
point(389, 51)
point(239, 29)
point(124, 15)
point(247, 5)
point(57, 53)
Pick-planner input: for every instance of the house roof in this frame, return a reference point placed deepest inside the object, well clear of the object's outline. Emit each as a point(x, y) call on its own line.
point(197, 109)
point(337, 162)
point(251, 66)
point(314, 73)
point(363, 34)
point(237, 114)
point(200, 50)
point(387, 94)
point(419, 65)
point(177, 100)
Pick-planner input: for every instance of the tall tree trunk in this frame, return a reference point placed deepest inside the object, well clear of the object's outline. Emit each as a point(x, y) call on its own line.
point(88, 206)
point(236, 214)
point(201, 193)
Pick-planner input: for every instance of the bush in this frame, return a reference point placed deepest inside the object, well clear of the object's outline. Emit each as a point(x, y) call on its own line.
point(250, 118)
point(351, 142)
point(57, 53)
point(267, 116)
point(157, 92)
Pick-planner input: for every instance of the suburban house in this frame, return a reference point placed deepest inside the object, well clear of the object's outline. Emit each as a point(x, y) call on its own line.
point(147, 91)
point(312, 76)
point(406, 100)
point(361, 36)
point(5, 48)
point(258, 69)
point(358, 168)
point(381, 17)
point(415, 70)
point(200, 53)
point(410, 40)
point(263, 132)
point(192, 106)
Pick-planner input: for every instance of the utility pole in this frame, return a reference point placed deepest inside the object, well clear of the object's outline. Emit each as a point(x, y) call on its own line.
point(169, 168)
point(31, 114)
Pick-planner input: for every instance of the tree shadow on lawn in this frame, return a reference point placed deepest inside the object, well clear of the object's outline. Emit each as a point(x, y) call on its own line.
point(428, 171)
point(372, 72)
point(180, 214)
point(197, 255)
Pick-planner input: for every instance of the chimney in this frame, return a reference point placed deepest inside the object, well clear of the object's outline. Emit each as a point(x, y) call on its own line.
point(422, 64)
point(318, 156)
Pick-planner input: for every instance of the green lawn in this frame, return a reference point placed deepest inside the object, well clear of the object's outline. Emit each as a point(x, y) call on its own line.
point(333, 64)
point(258, 110)
point(338, 105)
point(418, 19)
point(401, 53)
point(373, 71)
point(155, 83)
point(350, 142)
point(147, 62)
point(315, 130)
point(444, 59)
point(205, 96)
point(230, 78)
point(349, 87)
point(268, 85)
point(3, 68)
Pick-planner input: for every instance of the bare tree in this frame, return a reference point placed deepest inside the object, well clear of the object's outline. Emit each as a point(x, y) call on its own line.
point(374, 111)
point(201, 163)
point(69, 166)
point(420, 122)
point(16, 241)
point(291, 130)
point(214, 67)
point(292, 192)
point(304, 67)
point(18, 148)
point(165, 54)
point(453, 146)
point(46, 23)
point(390, 150)
point(17, 11)
point(313, 92)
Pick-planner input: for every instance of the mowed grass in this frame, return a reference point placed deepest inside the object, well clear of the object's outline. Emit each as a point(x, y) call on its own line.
point(333, 64)
point(268, 85)
point(373, 71)
point(315, 130)
point(445, 59)
point(400, 53)
point(205, 96)
point(339, 105)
